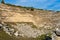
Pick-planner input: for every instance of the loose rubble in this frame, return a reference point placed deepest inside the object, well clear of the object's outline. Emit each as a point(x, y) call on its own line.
point(23, 30)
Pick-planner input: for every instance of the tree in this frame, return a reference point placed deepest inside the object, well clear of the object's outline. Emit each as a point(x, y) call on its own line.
point(3, 1)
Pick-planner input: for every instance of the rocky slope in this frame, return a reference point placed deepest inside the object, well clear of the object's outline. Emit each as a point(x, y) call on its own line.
point(38, 17)
point(47, 20)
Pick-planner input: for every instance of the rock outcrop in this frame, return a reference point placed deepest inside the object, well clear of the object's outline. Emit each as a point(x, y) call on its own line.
point(40, 18)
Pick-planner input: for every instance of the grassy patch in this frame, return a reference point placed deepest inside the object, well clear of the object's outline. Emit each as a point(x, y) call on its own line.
point(4, 36)
point(44, 37)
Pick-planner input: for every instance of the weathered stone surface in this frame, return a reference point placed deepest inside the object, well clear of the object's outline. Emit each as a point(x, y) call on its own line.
point(40, 18)
point(37, 16)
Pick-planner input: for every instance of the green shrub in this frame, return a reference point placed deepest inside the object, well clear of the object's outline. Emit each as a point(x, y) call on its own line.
point(43, 37)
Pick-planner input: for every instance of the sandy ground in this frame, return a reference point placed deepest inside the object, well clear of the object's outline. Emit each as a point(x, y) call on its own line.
point(58, 38)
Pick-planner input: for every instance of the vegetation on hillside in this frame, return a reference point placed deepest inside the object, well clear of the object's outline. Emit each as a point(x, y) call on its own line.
point(3, 2)
point(28, 8)
point(5, 36)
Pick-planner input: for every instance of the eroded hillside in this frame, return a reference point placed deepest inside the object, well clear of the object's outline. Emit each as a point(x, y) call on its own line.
point(17, 14)
point(39, 18)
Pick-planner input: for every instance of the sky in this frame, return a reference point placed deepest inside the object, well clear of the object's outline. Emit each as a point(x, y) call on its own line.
point(41, 4)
